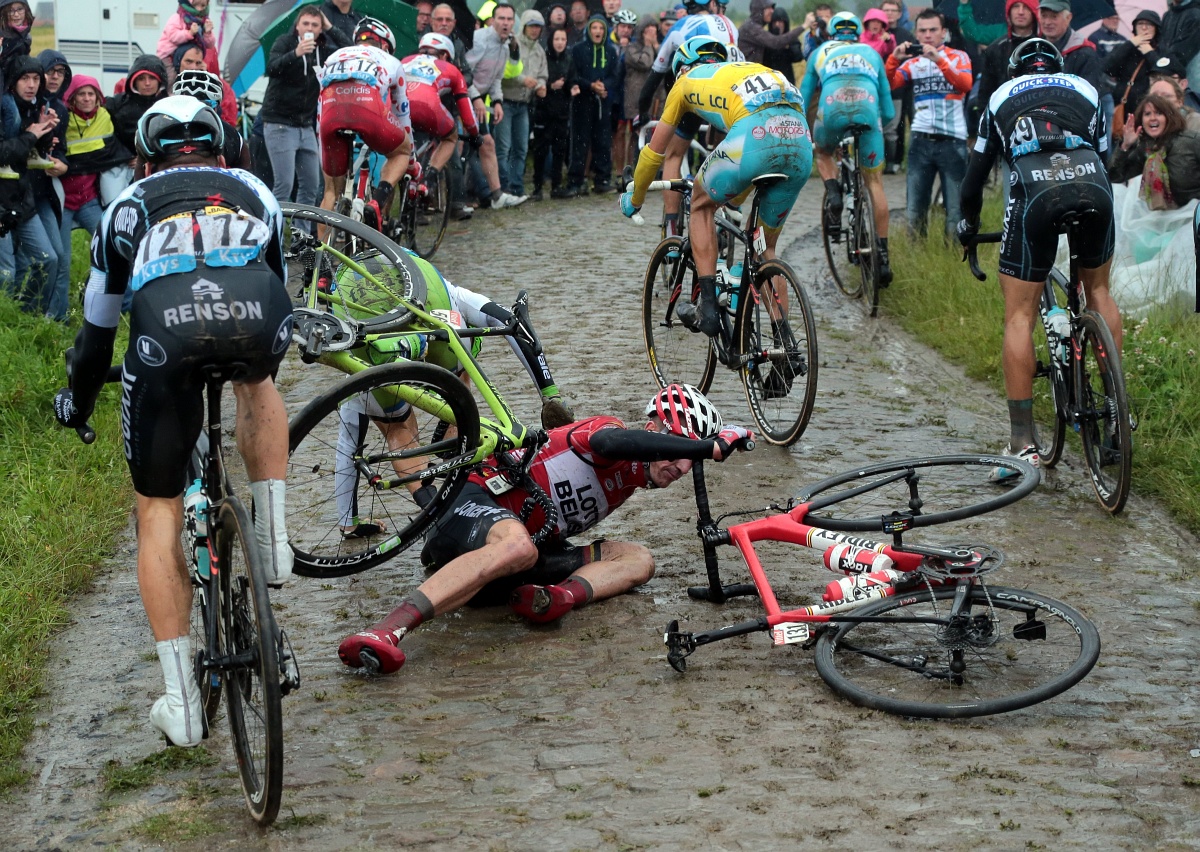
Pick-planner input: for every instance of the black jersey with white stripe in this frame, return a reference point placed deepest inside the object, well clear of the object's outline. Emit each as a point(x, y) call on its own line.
point(1042, 112)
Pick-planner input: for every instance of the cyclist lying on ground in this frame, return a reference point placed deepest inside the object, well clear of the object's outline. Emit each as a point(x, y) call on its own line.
point(764, 117)
point(158, 238)
point(362, 92)
point(850, 87)
point(482, 552)
point(1049, 128)
point(459, 306)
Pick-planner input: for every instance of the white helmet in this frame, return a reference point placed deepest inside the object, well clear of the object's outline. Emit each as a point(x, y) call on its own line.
point(685, 411)
point(438, 42)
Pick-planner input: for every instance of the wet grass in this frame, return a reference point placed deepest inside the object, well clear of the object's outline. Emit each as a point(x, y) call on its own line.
point(935, 298)
point(118, 777)
point(63, 504)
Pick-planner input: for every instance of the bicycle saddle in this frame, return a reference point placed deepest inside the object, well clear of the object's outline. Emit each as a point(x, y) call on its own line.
point(1071, 219)
point(768, 180)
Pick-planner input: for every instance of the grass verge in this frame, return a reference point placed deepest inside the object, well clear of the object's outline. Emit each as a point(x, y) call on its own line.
point(64, 502)
point(935, 298)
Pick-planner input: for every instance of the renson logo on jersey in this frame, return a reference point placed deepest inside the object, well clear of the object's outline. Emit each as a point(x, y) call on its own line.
point(1061, 169)
point(205, 288)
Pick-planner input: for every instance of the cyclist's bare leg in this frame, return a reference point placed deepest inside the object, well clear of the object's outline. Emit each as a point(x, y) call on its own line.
point(672, 169)
point(509, 549)
point(622, 566)
point(441, 154)
point(396, 164)
point(826, 167)
point(777, 307)
point(874, 180)
point(163, 581)
point(1021, 300)
point(262, 429)
point(703, 234)
point(334, 187)
point(1100, 300)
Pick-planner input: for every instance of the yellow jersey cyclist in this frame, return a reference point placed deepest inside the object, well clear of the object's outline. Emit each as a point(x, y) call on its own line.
point(457, 305)
point(763, 117)
point(850, 84)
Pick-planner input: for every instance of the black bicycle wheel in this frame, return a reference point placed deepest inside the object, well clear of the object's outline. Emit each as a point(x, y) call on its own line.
point(776, 329)
point(1104, 423)
point(1013, 648)
point(252, 691)
point(362, 480)
point(839, 250)
point(676, 352)
point(934, 490)
point(1049, 379)
point(431, 212)
point(866, 246)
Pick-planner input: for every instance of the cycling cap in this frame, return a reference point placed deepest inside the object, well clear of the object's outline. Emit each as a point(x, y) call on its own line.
point(1035, 56)
point(698, 49)
point(845, 26)
point(201, 85)
point(370, 28)
point(625, 16)
point(179, 124)
point(438, 42)
point(685, 411)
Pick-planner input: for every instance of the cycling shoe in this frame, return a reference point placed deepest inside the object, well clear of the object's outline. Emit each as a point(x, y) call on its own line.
point(541, 604)
point(376, 650)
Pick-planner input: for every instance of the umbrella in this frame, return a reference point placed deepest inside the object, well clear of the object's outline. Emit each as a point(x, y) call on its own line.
point(246, 60)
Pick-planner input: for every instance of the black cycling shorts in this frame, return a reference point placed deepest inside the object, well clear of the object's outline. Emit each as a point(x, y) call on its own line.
point(464, 528)
point(1045, 187)
point(180, 325)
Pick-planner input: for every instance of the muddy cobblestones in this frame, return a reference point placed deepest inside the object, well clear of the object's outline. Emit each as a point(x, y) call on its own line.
point(578, 735)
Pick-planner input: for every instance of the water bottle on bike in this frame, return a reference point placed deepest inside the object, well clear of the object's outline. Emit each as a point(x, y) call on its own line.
point(195, 522)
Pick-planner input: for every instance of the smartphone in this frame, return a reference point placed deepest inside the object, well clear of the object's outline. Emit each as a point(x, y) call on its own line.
point(309, 36)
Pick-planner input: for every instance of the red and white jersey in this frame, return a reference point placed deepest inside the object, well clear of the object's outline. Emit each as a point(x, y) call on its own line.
point(429, 79)
point(364, 64)
point(719, 27)
point(584, 487)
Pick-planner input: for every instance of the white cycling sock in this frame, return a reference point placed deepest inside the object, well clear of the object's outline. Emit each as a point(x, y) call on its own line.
point(178, 713)
point(270, 528)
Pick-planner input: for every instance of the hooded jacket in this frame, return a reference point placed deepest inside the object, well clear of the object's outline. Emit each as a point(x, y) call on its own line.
point(92, 147)
point(594, 62)
point(178, 31)
point(1124, 61)
point(128, 107)
point(638, 58)
point(884, 44)
point(533, 62)
point(753, 37)
point(980, 33)
point(1081, 59)
point(49, 59)
point(292, 86)
point(16, 44)
point(1179, 37)
point(994, 62)
point(17, 193)
point(557, 103)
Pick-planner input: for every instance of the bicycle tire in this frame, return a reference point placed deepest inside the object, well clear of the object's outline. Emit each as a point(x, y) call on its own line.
point(1103, 411)
point(904, 667)
point(252, 691)
point(836, 253)
point(962, 480)
point(780, 388)
point(314, 522)
point(1050, 377)
point(676, 353)
point(430, 213)
point(866, 245)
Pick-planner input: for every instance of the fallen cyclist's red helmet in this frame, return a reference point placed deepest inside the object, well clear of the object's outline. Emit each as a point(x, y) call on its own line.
point(685, 411)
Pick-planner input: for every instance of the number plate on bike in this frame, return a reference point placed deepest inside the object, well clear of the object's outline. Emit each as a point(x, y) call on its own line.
point(789, 633)
point(760, 240)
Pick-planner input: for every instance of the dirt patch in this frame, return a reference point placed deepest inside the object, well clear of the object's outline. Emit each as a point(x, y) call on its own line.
point(578, 735)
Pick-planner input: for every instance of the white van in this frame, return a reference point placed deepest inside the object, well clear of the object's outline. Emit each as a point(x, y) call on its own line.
point(103, 40)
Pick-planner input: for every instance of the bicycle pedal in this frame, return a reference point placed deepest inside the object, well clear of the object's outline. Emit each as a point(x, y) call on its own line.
point(289, 669)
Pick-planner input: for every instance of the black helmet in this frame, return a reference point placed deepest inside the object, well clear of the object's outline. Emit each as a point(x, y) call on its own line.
point(176, 125)
point(1035, 56)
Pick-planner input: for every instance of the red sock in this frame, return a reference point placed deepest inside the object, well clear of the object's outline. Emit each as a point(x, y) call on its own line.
point(579, 589)
point(414, 611)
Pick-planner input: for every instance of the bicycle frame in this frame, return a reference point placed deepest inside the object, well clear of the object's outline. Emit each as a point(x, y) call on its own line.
point(504, 432)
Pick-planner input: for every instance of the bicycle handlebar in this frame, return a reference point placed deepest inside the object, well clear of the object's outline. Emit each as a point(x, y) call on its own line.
point(970, 253)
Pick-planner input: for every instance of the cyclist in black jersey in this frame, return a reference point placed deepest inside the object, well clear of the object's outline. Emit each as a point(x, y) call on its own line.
point(1049, 129)
point(201, 247)
point(483, 552)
